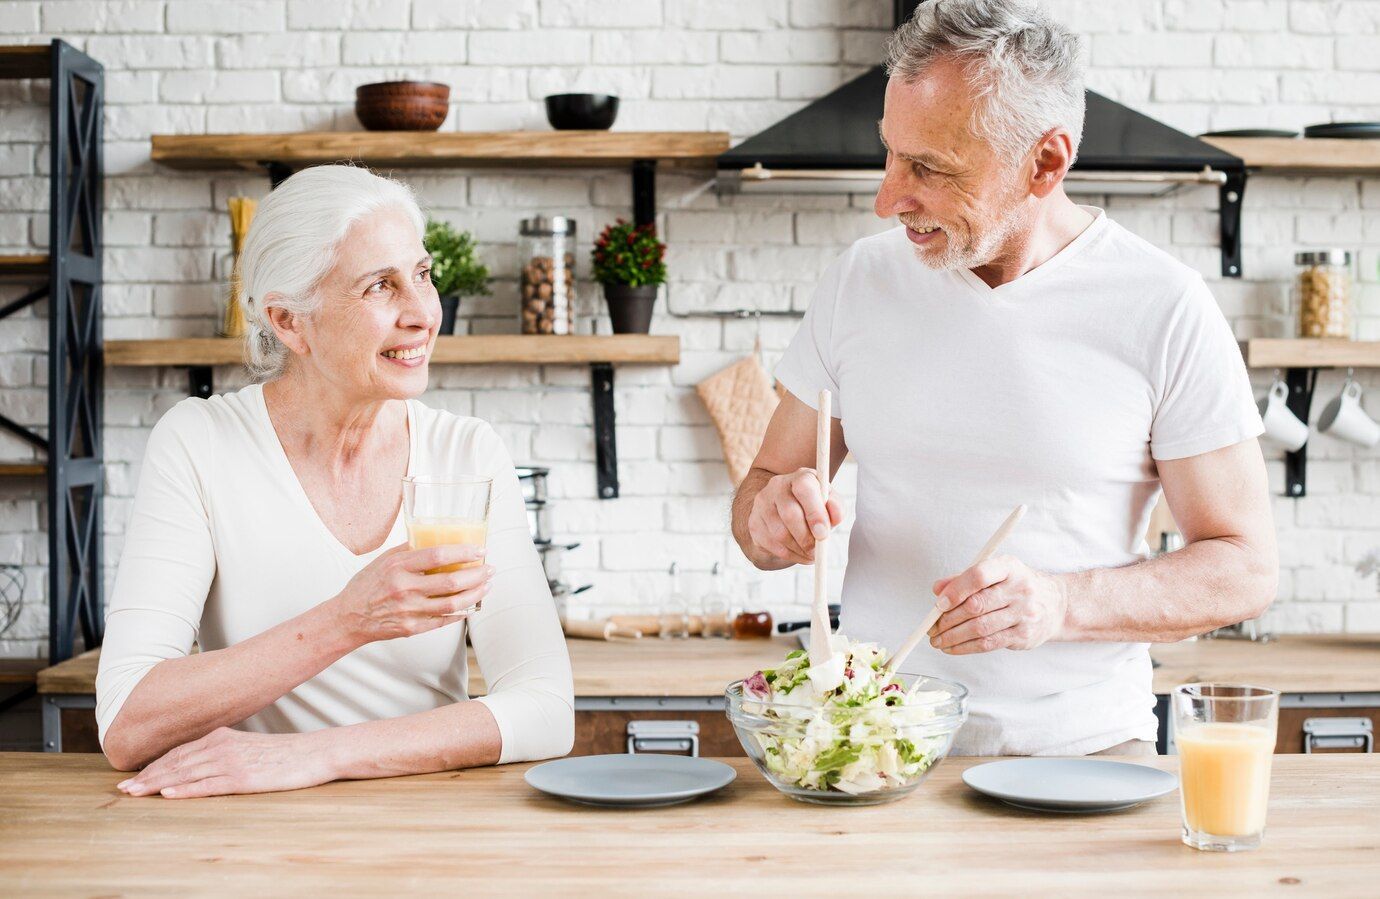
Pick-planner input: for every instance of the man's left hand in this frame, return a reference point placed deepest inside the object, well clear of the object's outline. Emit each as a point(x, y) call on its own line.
point(998, 604)
point(231, 761)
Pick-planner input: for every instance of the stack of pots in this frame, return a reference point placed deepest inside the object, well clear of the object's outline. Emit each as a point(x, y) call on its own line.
point(534, 494)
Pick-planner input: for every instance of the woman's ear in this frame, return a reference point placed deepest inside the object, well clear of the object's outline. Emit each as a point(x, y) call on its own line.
point(288, 326)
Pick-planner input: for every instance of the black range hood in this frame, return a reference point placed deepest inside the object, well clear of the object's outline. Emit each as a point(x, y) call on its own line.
point(832, 145)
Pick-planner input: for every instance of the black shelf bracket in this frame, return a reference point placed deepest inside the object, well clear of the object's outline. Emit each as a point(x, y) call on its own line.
point(200, 381)
point(277, 172)
point(644, 191)
point(605, 441)
point(1229, 197)
point(1301, 382)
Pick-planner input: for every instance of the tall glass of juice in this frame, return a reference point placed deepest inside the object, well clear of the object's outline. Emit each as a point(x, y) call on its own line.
point(1225, 734)
point(443, 510)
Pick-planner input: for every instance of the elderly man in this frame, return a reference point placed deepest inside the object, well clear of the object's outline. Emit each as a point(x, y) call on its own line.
point(1008, 346)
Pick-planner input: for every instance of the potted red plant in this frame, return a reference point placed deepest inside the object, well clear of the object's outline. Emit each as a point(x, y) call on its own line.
point(630, 262)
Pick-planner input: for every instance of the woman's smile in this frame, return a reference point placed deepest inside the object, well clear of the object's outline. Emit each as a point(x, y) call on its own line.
point(409, 356)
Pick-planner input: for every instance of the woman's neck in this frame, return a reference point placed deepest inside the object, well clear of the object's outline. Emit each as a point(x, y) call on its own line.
point(314, 420)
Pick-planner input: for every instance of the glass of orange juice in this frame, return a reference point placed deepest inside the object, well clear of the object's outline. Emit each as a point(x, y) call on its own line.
point(1225, 735)
point(442, 511)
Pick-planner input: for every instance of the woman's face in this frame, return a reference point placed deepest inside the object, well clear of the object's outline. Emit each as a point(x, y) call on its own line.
point(373, 333)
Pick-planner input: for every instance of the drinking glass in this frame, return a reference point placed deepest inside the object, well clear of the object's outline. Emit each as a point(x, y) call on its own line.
point(1225, 735)
point(440, 511)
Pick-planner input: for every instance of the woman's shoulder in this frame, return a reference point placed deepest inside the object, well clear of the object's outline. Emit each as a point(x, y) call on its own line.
point(443, 427)
point(195, 417)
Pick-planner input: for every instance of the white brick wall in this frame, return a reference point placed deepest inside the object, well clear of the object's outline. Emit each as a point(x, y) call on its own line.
point(265, 65)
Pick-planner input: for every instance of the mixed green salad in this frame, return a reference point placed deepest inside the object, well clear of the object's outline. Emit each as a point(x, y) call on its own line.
point(868, 733)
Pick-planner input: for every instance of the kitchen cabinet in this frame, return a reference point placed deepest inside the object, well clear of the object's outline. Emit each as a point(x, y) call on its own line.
point(616, 683)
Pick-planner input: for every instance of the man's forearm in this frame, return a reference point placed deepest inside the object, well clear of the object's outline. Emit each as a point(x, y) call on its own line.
point(1208, 584)
point(752, 484)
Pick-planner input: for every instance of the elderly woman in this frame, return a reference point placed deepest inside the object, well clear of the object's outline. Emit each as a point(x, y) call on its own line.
point(266, 528)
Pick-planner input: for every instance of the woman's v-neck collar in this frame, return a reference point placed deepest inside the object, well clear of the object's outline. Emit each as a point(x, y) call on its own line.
point(1072, 249)
point(299, 493)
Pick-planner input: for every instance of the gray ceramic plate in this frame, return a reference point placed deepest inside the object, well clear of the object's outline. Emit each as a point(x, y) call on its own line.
point(1069, 785)
point(630, 781)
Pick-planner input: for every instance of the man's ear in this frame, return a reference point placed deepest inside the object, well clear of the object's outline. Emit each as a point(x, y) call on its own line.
point(1051, 160)
point(288, 326)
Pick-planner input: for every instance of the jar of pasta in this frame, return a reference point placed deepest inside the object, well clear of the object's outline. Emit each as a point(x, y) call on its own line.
point(546, 250)
point(1323, 293)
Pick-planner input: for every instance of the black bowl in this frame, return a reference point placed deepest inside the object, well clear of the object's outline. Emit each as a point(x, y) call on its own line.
point(581, 112)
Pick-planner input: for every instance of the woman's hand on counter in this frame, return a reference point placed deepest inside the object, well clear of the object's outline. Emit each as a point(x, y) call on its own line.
point(394, 596)
point(1001, 603)
point(229, 761)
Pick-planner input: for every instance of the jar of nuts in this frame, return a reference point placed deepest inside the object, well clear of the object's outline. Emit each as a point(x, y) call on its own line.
point(547, 291)
point(1323, 293)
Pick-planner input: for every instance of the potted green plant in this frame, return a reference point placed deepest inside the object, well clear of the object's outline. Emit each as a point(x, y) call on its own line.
point(629, 261)
point(455, 269)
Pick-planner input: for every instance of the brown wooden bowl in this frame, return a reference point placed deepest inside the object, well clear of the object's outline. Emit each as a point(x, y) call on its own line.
point(402, 105)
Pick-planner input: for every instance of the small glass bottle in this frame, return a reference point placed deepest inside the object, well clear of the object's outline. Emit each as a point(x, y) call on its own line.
point(750, 624)
point(715, 623)
point(546, 292)
point(673, 623)
point(1323, 293)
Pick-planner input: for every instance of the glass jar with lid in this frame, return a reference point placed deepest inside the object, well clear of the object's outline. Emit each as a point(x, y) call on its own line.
point(546, 293)
point(1323, 293)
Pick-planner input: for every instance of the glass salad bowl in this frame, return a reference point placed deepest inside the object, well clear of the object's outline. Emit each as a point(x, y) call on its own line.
point(836, 754)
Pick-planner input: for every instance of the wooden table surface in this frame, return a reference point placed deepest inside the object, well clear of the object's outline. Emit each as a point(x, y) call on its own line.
point(65, 829)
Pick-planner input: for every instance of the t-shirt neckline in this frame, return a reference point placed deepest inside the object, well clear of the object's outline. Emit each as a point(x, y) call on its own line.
point(299, 492)
point(1053, 263)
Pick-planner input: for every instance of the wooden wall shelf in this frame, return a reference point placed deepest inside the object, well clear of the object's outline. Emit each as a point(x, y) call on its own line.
point(22, 469)
point(497, 349)
point(1296, 155)
point(438, 148)
point(26, 61)
point(1310, 353)
point(600, 352)
point(23, 267)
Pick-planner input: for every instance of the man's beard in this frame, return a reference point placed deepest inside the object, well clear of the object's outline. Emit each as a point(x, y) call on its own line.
point(979, 252)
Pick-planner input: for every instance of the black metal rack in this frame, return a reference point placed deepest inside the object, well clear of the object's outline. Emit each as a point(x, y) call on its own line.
point(71, 282)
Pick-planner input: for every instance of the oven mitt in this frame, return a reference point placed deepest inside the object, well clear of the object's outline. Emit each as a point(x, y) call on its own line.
point(740, 400)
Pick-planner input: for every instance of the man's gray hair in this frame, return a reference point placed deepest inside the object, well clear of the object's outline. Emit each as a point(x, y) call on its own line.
point(1024, 66)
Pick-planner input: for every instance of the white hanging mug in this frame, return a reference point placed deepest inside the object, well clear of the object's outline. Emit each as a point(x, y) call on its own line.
point(1281, 424)
point(1345, 418)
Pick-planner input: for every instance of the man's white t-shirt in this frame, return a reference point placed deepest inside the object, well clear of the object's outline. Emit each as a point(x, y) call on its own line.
point(1058, 390)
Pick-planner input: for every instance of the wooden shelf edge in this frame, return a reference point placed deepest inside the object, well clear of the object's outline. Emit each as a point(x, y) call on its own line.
point(438, 148)
point(1303, 156)
point(22, 469)
point(497, 349)
point(25, 61)
point(1270, 352)
point(23, 266)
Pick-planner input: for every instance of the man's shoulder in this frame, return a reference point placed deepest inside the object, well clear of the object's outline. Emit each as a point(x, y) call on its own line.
point(1132, 259)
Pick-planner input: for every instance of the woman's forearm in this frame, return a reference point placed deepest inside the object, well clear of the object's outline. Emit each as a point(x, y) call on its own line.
point(459, 735)
point(183, 699)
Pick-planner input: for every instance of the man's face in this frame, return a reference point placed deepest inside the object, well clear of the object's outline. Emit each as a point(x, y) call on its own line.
point(959, 201)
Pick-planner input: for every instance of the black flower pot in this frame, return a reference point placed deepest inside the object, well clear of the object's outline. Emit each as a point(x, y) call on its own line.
point(450, 305)
point(630, 308)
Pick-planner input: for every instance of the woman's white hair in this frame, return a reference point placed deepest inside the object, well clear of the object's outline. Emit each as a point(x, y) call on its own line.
point(1023, 65)
point(294, 242)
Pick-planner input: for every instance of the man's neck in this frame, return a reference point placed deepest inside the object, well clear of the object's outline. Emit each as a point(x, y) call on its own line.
point(1055, 224)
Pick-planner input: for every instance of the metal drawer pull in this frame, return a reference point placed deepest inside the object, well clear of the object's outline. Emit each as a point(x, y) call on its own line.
point(1338, 733)
point(664, 736)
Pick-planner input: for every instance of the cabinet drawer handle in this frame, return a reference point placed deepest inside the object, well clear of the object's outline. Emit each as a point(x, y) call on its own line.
point(1338, 733)
point(664, 736)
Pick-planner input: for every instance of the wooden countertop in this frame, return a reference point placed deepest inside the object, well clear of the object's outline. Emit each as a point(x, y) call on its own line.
point(65, 829)
point(695, 668)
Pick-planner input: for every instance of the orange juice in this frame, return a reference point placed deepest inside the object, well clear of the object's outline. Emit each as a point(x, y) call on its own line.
point(423, 533)
point(1224, 772)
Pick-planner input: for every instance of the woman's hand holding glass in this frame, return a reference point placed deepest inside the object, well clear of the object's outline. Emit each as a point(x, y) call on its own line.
point(394, 596)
